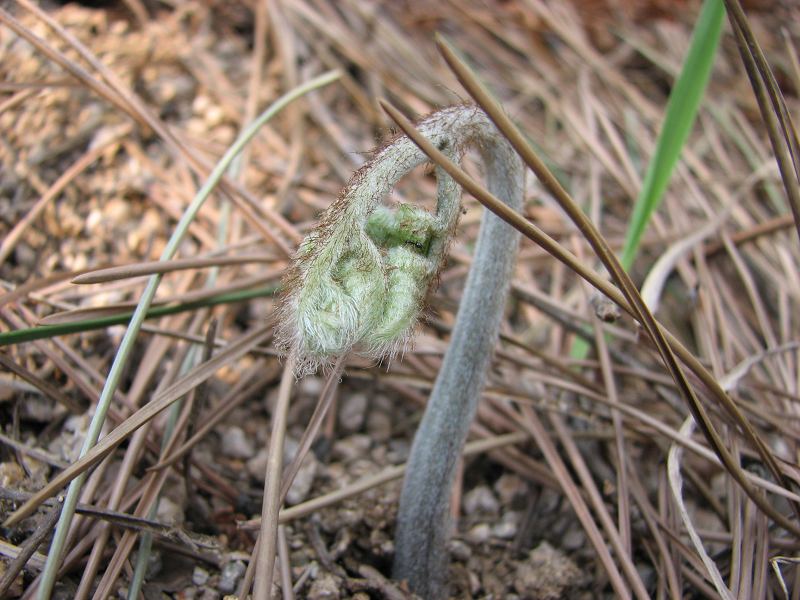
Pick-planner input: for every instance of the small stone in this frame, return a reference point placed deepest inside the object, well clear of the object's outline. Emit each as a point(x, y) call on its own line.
point(573, 539)
point(351, 413)
point(474, 583)
point(200, 576)
point(379, 425)
point(311, 386)
point(460, 551)
point(352, 447)
point(301, 486)
point(236, 444)
point(154, 564)
point(11, 475)
point(398, 451)
point(504, 530)
point(169, 512)
point(24, 255)
point(548, 574)
point(38, 408)
point(480, 500)
point(509, 486)
point(67, 446)
point(230, 575)
point(479, 534)
point(257, 466)
point(325, 588)
point(648, 574)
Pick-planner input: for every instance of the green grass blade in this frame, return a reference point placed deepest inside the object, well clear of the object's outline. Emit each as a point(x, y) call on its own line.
point(123, 318)
point(684, 102)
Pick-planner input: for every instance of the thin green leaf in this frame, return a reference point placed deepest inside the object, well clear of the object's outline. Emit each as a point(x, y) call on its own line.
point(48, 331)
point(684, 102)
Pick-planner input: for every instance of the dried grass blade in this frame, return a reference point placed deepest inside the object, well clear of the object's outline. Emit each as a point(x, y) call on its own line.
point(13, 567)
point(596, 500)
point(18, 336)
point(314, 424)
point(268, 536)
point(156, 266)
point(538, 236)
point(193, 299)
point(531, 423)
point(666, 344)
point(40, 384)
point(659, 273)
point(143, 415)
point(732, 378)
point(386, 475)
point(777, 119)
point(37, 284)
point(240, 392)
point(676, 486)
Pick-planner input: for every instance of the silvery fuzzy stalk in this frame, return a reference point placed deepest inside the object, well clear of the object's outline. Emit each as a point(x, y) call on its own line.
point(423, 523)
point(359, 283)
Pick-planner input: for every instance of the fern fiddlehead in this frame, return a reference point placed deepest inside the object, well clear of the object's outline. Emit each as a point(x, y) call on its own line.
point(359, 283)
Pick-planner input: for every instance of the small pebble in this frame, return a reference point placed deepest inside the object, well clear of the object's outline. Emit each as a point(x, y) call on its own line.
point(154, 564)
point(11, 474)
point(24, 255)
point(311, 386)
point(548, 574)
point(460, 551)
point(398, 451)
point(325, 588)
point(573, 539)
point(237, 444)
point(352, 412)
point(301, 486)
point(509, 486)
point(257, 466)
point(200, 576)
point(352, 447)
point(480, 500)
point(648, 574)
point(508, 526)
point(169, 512)
point(379, 425)
point(479, 534)
point(505, 530)
point(474, 583)
point(230, 575)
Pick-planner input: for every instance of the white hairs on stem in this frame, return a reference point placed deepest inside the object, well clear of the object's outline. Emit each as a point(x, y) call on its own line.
point(360, 279)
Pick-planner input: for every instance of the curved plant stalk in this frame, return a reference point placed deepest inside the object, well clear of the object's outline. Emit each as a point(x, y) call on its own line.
point(627, 297)
point(538, 236)
point(112, 381)
point(359, 284)
point(423, 527)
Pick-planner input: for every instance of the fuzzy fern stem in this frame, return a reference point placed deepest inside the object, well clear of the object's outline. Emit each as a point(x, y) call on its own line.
point(359, 283)
point(423, 525)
